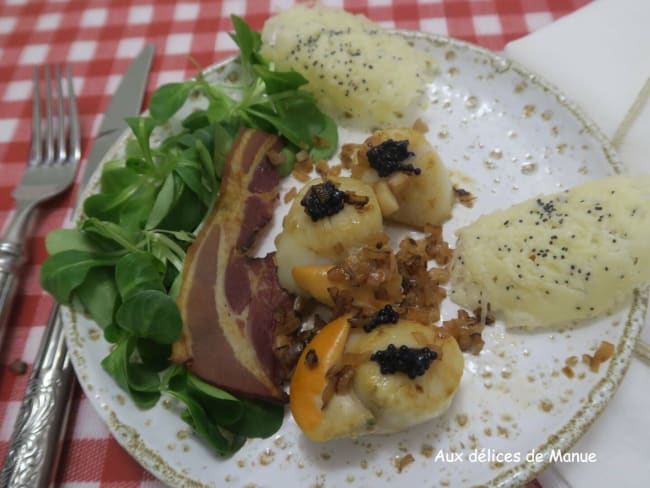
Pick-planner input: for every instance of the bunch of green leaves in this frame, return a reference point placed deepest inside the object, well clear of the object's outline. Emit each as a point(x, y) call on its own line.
point(265, 99)
point(237, 418)
point(123, 262)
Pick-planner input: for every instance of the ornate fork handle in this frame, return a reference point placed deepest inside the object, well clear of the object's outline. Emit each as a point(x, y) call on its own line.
point(11, 258)
point(35, 444)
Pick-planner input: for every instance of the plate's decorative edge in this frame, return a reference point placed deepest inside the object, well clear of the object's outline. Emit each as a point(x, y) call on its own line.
point(130, 439)
point(125, 435)
point(502, 63)
point(152, 461)
point(642, 348)
point(596, 401)
point(642, 351)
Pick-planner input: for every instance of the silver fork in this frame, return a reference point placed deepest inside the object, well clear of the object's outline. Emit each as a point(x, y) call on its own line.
point(55, 152)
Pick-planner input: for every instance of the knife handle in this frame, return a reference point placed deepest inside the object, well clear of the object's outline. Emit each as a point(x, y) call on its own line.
point(35, 444)
point(11, 258)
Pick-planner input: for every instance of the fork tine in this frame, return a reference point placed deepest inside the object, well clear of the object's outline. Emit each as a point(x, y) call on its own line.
point(60, 133)
point(73, 117)
point(49, 123)
point(36, 147)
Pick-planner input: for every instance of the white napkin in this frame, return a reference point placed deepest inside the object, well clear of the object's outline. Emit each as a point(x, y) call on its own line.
point(599, 56)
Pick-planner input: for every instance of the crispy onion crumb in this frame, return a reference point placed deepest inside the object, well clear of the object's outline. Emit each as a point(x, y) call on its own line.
point(375, 275)
point(467, 329)
point(464, 197)
point(420, 126)
point(410, 279)
point(602, 354)
point(404, 461)
point(290, 195)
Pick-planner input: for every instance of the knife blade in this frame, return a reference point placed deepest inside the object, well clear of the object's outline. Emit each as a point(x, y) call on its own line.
point(35, 445)
point(126, 102)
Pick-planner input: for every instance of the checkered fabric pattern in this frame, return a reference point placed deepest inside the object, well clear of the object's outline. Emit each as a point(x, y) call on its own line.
point(99, 38)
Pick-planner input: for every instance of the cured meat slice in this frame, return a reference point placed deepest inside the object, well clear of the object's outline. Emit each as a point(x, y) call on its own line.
point(231, 302)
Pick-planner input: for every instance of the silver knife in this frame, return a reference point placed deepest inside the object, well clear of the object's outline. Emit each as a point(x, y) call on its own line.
point(126, 102)
point(35, 444)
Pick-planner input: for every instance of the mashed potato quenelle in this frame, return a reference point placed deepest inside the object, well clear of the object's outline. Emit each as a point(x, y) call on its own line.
point(357, 71)
point(557, 258)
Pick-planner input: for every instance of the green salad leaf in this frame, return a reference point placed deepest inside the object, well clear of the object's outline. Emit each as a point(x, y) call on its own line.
point(269, 100)
point(208, 415)
point(168, 99)
point(99, 296)
point(65, 271)
point(123, 263)
point(138, 271)
point(137, 378)
point(150, 314)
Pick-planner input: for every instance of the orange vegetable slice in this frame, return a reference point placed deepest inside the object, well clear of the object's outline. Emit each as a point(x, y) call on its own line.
point(314, 280)
point(309, 378)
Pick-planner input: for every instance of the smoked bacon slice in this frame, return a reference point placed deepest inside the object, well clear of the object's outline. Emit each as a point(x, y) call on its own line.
point(230, 302)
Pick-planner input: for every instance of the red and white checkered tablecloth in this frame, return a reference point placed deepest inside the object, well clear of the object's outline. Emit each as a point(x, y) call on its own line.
point(99, 38)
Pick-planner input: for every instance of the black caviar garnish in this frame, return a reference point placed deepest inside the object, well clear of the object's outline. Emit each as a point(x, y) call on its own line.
point(412, 361)
point(384, 316)
point(311, 359)
point(388, 157)
point(323, 200)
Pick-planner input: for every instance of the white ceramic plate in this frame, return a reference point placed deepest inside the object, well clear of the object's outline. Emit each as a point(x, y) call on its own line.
point(506, 135)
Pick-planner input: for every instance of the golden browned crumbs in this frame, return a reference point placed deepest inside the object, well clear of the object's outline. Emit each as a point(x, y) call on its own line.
point(464, 197)
point(420, 126)
point(404, 461)
point(290, 195)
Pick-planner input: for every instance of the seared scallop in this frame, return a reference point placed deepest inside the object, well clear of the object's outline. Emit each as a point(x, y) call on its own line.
point(322, 227)
point(349, 382)
point(411, 182)
point(397, 400)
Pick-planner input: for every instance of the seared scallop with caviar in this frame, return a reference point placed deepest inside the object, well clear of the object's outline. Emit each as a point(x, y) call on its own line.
point(380, 378)
point(411, 182)
point(328, 218)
